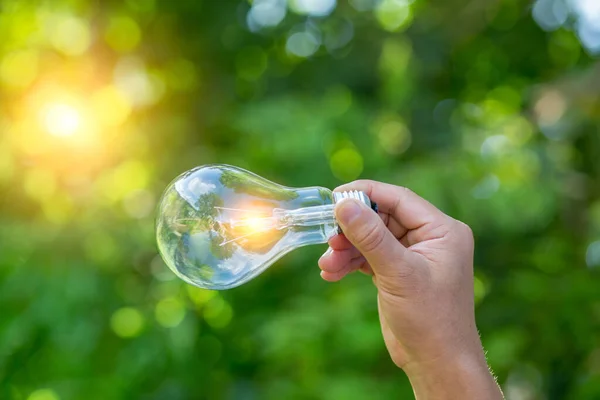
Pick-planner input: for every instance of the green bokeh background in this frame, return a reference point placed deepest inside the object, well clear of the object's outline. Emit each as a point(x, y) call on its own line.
point(470, 104)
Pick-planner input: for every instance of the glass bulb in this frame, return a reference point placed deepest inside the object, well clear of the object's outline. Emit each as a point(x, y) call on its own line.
point(219, 226)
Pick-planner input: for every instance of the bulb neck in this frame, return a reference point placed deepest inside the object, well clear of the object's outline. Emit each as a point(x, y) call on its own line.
point(318, 215)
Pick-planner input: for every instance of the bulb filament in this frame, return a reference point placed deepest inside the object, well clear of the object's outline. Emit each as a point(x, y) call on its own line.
point(251, 222)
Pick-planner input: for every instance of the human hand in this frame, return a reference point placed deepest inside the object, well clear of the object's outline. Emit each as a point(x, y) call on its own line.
point(422, 265)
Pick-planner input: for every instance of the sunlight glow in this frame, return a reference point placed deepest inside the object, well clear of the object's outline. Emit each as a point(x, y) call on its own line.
point(249, 224)
point(256, 224)
point(61, 119)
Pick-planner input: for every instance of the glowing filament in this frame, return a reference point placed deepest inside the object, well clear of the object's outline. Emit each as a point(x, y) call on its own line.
point(246, 222)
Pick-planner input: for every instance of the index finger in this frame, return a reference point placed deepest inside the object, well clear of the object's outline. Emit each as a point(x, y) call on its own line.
point(409, 209)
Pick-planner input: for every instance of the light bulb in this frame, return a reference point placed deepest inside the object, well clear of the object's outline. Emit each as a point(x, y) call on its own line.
point(219, 226)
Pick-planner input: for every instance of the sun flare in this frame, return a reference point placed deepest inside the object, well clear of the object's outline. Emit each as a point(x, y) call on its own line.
point(61, 119)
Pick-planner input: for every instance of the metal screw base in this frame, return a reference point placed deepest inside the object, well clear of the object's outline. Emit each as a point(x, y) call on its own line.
point(354, 194)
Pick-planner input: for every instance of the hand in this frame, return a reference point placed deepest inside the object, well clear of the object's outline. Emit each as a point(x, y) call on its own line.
point(422, 265)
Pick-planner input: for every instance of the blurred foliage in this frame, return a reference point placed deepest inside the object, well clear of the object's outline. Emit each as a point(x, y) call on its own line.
point(471, 104)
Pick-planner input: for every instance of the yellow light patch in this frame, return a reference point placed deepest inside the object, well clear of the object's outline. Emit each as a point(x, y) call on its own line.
point(170, 312)
point(127, 322)
point(218, 313)
point(58, 209)
point(110, 106)
point(251, 228)
point(19, 69)
point(7, 165)
point(70, 35)
point(60, 119)
point(394, 137)
point(200, 296)
point(256, 224)
point(43, 394)
point(40, 184)
point(123, 34)
point(394, 15)
point(125, 179)
point(346, 164)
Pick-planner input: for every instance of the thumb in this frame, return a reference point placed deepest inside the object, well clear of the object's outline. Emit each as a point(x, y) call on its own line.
point(367, 232)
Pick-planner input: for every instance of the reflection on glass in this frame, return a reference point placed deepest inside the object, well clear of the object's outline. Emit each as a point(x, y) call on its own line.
point(219, 226)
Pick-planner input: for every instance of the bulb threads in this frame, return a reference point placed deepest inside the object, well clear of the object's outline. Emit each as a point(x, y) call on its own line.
point(357, 195)
point(353, 194)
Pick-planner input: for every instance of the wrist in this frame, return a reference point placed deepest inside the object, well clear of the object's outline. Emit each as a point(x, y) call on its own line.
point(463, 375)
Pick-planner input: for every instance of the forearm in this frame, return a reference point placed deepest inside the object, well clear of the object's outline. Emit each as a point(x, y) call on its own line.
point(466, 377)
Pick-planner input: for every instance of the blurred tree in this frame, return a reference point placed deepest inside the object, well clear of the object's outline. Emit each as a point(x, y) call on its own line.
point(488, 109)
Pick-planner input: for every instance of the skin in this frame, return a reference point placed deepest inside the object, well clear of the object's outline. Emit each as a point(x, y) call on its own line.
point(421, 261)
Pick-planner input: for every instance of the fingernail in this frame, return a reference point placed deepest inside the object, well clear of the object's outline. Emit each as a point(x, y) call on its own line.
point(347, 210)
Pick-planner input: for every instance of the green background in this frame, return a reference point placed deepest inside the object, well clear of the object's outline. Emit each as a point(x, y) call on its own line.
point(470, 104)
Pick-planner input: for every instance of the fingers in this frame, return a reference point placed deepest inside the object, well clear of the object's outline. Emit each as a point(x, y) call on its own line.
point(339, 242)
point(384, 246)
point(336, 264)
point(336, 260)
point(410, 210)
point(367, 232)
point(351, 266)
